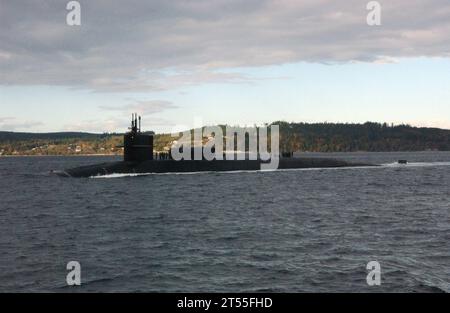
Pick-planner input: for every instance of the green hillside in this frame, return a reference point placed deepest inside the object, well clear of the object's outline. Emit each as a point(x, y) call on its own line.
point(318, 137)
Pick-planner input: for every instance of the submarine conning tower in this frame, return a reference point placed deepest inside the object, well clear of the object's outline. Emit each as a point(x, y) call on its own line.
point(138, 147)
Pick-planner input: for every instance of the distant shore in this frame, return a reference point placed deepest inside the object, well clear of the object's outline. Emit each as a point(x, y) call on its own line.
point(57, 155)
point(316, 137)
point(296, 154)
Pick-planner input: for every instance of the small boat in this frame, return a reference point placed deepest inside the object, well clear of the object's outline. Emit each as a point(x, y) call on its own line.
point(402, 162)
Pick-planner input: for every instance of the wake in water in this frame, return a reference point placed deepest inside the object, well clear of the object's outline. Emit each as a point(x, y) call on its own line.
point(416, 164)
point(386, 165)
point(122, 175)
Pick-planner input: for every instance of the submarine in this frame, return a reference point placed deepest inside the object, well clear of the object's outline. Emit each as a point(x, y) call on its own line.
point(138, 158)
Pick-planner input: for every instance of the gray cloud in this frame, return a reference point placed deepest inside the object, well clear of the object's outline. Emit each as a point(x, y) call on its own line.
point(115, 124)
point(148, 109)
point(143, 108)
point(5, 119)
point(11, 124)
point(158, 45)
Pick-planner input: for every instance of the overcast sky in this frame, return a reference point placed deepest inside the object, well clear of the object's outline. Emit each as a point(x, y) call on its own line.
point(222, 61)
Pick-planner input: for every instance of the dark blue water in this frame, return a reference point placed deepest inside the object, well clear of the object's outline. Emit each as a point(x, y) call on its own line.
point(289, 231)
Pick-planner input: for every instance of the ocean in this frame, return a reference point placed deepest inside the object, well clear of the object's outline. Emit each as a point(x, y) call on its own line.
point(285, 231)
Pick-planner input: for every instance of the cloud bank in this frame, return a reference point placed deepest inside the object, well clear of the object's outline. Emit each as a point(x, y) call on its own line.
point(12, 124)
point(133, 45)
point(143, 108)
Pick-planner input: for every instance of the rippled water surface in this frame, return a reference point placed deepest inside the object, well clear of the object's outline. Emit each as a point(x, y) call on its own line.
point(287, 231)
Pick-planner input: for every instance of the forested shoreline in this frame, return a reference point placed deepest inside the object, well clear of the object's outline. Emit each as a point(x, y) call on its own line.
point(315, 137)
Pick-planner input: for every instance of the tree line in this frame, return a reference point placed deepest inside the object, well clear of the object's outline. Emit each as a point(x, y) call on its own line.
point(315, 137)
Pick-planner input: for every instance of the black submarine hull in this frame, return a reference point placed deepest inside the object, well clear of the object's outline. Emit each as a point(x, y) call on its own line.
point(187, 166)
